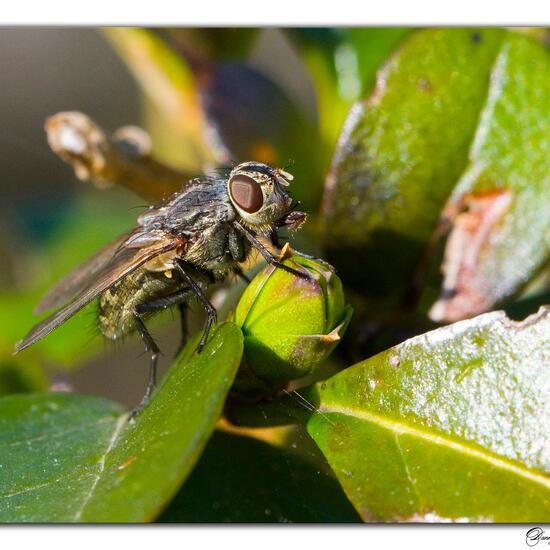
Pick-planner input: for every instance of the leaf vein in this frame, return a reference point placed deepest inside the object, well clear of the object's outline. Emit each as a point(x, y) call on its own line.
point(121, 422)
point(46, 484)
point(407, 469)
point(439, 439)
point(57, 433)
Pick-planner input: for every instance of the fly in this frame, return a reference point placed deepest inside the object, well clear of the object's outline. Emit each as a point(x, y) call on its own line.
point(197, 237)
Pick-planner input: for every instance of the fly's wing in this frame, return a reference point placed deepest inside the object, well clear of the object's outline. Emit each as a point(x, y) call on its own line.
point(81, 276)
point(125, 260)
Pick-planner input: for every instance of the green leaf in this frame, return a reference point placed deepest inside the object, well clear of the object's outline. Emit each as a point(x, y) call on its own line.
point(71, 458)
point(451, 424)
point(504, 187)
point(456, 131)
point(281, 487)
point(401, 153)
point(341, 63)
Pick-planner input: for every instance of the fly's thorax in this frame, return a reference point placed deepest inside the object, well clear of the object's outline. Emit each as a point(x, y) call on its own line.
point(198, 207)
point(218, 249)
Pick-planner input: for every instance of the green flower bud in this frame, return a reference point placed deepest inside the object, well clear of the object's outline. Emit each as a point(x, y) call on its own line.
point(290, 324)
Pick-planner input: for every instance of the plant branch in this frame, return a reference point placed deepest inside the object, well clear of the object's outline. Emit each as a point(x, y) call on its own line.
point(124, 159)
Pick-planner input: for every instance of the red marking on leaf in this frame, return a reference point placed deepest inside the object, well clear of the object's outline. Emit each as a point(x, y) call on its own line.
point(463, 292)
point(127, 463)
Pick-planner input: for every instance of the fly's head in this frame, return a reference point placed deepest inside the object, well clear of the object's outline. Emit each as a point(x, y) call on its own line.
point(259, 194)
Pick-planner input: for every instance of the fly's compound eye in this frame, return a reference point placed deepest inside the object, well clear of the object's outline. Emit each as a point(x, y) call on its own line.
point(246, 193)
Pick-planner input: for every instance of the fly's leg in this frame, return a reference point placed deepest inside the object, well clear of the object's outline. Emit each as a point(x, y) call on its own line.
point(211, 314)
point(268, 256)
point(239, 272)
point(183, 324)
point(237, 250)
point(183, 306)
point(150, 344)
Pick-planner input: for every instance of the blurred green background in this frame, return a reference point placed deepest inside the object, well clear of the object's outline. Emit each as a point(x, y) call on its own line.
point(457, 121)
point(50, 221)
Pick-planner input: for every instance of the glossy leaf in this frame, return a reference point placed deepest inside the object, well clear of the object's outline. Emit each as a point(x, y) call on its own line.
point(342, 63)
point(281, 487)
point(455, 131)
point(401, 152)
point(504, 187)
point(453, 424)
point(71, 458)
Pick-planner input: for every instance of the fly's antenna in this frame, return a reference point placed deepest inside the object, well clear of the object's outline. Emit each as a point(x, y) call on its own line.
point(283, 177)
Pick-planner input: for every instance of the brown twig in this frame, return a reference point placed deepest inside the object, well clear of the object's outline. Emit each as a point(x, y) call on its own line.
point(124, 159)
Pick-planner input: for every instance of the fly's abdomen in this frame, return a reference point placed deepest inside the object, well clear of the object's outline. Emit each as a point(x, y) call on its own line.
point(116, 305)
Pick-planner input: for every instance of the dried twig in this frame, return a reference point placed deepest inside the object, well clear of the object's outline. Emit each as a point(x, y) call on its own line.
point(125, 159)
